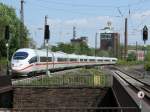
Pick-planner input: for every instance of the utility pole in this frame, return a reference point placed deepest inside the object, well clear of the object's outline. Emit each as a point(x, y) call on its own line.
point(74, 32)
point(46, 17)
point(96, 44)
point(136, 50)
point(21, 24)
point(126, 39)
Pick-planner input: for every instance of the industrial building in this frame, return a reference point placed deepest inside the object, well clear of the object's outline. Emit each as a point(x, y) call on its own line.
point(110, 40)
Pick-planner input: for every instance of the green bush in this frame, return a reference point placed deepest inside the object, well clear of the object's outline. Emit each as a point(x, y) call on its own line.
point(147, 66)
point(124, 62)
point(3, 64)
point(131, 57)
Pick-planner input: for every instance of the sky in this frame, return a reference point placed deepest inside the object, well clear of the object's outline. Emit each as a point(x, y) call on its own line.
point(88, 16)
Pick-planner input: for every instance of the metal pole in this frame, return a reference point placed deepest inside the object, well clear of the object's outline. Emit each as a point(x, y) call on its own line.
point(144, 58)
point(136, 51)
point(126, 39)
point(140, 106)
point(96, 44)
point(7, 45)
point(47, 69)
point(21, 24)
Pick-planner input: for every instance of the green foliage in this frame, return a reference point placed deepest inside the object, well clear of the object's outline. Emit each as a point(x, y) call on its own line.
point(147, 66)
point(3, 64)
point(131, 57)
point(9, 17)
point(128, 63)
point(147, 59)
point(103, 53)
point(79, 48)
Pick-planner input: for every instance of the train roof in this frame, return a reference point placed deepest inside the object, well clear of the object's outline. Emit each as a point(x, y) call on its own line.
point(60, 54)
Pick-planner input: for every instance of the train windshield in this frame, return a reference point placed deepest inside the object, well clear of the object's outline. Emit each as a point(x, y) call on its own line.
point(20, 55)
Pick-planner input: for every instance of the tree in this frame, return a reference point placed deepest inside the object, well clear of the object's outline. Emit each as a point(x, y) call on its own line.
point(9, 17)
point(102, 53)
point(67, 48)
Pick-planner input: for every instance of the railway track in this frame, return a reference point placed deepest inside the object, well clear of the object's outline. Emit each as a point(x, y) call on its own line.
point(133, 82)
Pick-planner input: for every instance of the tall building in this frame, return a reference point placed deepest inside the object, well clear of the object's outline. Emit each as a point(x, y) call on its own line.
point(110, 40)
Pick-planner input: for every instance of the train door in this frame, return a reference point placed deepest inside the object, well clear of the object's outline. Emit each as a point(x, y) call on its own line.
point(33, 62)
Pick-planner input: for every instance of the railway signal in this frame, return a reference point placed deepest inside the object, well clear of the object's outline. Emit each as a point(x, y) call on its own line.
point(46, 37)
point(46, 32)
point(145, 33)
point(145, 37)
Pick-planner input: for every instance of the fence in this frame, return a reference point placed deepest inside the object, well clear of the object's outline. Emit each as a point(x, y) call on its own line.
point(67, 81)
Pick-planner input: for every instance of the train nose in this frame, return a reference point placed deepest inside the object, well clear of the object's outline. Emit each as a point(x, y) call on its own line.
point(16, 64)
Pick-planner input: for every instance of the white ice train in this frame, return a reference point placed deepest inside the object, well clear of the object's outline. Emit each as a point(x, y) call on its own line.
point(26, 60)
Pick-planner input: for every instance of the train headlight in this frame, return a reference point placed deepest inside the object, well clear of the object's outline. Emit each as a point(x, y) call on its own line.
point(12, 65)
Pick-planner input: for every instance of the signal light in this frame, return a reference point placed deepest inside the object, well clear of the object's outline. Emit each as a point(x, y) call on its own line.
point(145, 33)
point(46, 32)
point(7, 32)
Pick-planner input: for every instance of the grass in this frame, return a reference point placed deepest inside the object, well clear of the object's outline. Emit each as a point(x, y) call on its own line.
point(83, 77)
point(3, 64)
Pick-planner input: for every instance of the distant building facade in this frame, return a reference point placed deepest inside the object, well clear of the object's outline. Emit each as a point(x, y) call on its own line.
point(79, 40)
point(110, 40)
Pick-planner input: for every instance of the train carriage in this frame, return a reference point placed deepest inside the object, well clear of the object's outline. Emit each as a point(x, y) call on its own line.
point(26, 60)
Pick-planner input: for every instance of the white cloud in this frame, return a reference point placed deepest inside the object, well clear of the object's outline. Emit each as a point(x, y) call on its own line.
point(83, 22)
point(141, 15)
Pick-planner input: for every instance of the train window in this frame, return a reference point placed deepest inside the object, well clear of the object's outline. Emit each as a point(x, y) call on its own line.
point(99, 60)
point(85, 59)
point(114, 60)
point(20, 55)
point(73, 59)
point(107, 60)
point(61, 59)
point(33, 60)
point(44, 59)
point(81, 60)
point(91, 59)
